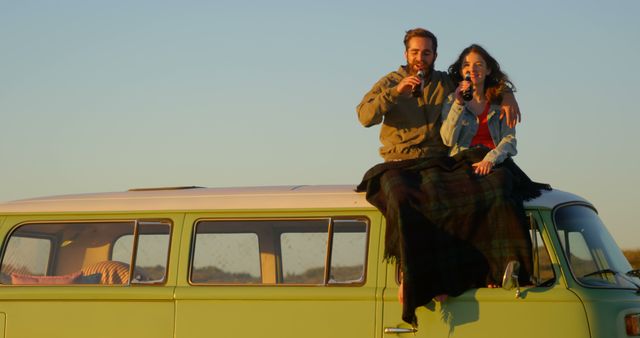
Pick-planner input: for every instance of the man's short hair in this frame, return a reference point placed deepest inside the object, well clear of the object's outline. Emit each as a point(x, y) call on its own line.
point(420, 33)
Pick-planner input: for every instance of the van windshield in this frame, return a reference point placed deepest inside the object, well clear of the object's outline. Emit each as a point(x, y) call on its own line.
point(594, 257)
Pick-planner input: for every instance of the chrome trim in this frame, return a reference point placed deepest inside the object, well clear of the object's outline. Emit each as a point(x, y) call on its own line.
point(399, 330)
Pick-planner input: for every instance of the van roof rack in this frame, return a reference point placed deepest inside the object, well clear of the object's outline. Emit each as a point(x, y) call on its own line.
point(167, 188)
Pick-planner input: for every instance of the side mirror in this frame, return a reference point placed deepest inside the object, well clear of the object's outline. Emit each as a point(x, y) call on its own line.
point(510, 277)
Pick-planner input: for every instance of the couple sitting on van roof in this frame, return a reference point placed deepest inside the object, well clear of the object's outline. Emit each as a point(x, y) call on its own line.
point(450, 224)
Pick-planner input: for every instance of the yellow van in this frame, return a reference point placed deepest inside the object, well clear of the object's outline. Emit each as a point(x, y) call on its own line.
point(284, 262)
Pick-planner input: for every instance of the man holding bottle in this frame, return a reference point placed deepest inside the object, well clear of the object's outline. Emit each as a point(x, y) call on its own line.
point(411, 125)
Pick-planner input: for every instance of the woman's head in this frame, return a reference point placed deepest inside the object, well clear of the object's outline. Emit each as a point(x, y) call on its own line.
point(484, 69)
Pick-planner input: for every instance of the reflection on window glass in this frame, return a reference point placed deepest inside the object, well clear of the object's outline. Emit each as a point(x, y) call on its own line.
point(65, 253)
point(544, 272)
point(303, 257)
point(29, 256)
point(579, 256)
point(279, 251)
point(152, 251)
point(594, 257)
point(122, 249)
point(226, 258)
point(348, 254)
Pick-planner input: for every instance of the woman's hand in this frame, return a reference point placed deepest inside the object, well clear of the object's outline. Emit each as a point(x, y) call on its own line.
point(483, 167)
point(461, 88)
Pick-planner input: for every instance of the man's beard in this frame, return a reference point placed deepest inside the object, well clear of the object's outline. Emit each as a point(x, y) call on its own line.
point(412, 69)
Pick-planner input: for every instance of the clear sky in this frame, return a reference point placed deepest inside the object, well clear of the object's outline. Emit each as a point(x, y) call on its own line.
point(112, 95)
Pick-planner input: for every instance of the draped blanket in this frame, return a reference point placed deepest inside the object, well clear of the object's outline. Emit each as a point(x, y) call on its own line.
point(451, 229)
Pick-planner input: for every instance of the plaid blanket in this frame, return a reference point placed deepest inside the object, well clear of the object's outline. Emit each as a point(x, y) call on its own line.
point(451, 229)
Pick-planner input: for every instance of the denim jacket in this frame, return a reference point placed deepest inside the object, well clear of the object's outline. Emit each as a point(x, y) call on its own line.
point(460, 125)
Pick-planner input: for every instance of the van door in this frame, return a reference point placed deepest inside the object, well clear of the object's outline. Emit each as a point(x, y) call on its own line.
point(285, 277)
point(545, 309)
point(100, 277)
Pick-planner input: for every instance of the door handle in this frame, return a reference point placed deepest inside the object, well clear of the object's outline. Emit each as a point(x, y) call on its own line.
point(398, 330)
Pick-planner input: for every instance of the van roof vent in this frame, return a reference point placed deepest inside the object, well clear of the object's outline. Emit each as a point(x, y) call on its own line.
point(167, 188)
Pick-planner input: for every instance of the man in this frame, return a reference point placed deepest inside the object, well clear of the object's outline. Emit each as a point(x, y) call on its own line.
point(411, 125)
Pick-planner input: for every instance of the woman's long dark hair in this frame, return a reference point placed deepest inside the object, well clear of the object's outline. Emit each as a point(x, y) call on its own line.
point(495, 83)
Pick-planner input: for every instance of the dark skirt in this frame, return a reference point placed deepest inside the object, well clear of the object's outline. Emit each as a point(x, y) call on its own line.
point(450, 229)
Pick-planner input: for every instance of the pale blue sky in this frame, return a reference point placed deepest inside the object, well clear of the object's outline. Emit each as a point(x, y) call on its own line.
point(111, 95)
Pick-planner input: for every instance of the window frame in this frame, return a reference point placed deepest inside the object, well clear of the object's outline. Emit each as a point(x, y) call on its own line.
point(134, 252)
point(537, 227)
point(277, 250)
point(56, 241)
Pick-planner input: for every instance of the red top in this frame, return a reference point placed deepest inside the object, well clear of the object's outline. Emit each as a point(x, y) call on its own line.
point(482, 135)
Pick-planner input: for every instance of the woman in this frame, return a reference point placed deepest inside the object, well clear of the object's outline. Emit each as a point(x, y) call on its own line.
point(477, 122)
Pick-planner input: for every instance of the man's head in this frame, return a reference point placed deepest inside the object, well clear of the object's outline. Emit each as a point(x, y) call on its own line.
point(420, 50)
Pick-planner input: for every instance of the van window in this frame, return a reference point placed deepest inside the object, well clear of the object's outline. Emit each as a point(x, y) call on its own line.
point(83, 253)
point(279, 251)
point(594, 258)
point(543, 274)
point(303, 256)
point(226, 257)
point(349, 251)
point(152, 251)
point(37, 249)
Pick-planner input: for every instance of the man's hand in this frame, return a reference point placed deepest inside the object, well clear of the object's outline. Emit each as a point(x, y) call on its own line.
point(483, 167)
point(510, 109)
point(405, 87)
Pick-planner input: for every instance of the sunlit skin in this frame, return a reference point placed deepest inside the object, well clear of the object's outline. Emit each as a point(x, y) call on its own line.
point(420, 56)
point(474, 65)
point(509, 107)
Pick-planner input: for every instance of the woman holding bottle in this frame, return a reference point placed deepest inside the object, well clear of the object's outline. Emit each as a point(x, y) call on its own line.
point(471, 115)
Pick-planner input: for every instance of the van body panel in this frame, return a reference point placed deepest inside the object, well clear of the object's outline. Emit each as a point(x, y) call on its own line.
point(221, 199)
point(557, 314)
point(278, 310)
point(606, 310)
point(97, 317)
point(89, 310)
point(200, 199)
point(315, 312)
point(272, 303)
point(555, 311)
point(3, 323)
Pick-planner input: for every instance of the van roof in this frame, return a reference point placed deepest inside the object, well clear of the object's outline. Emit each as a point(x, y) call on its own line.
point(242, 198)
